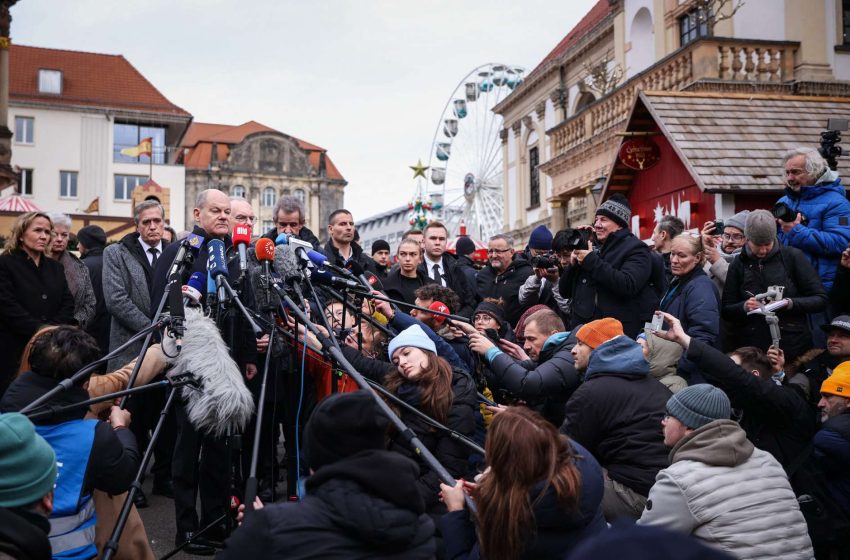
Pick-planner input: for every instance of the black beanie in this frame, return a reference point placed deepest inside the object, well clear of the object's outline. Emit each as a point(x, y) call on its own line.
point(493, 310)
point(616, 208)
point(380, 245)
point(92, 236)
point(464, 246)
point(343, 425)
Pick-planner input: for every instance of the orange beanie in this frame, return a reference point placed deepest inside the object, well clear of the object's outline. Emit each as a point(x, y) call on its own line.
point(596, 332)
point(839, 382)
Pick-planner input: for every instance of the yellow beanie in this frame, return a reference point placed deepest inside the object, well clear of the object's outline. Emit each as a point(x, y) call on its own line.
point(839, 382)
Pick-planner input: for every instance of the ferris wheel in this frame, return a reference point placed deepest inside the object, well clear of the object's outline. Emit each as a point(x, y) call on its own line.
point(465, 161)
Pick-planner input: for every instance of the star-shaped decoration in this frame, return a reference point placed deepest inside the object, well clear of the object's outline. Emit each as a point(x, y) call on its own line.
point(419, 169)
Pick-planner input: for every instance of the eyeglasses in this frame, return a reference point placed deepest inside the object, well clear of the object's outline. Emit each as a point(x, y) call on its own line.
point(732, 237)
point(240, 219)
point(500, 251)
point(482, 318)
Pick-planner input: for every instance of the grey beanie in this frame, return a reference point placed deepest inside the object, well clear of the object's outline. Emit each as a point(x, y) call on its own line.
point(760, 228)
point(697, 405)
point(738, 221)
point(616, 208)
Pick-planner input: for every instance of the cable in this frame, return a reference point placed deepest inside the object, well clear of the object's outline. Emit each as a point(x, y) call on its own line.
point(298, 490)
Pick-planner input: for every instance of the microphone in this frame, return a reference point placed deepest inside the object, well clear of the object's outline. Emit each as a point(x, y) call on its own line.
point(326, 278)
point(241, 239)
point(178, 313)
point(261, 283)
point(216, 266)
point(286, 264)
point(301, 248)
point(192, 290)
point(223, 404)
point(189, 248)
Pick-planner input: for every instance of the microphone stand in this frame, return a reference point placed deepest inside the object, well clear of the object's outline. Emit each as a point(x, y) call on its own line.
point(67, 383)
point(408, 435)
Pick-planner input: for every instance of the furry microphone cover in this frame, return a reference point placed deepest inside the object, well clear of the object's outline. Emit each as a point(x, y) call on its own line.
point(223, 402)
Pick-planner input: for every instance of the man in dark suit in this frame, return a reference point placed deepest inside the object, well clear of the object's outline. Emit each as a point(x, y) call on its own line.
point(442, 267)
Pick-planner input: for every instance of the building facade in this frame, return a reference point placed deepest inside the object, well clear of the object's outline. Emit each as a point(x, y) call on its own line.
point(389, 226)
point(71, 114)
point(564, 125)
point(260, 164)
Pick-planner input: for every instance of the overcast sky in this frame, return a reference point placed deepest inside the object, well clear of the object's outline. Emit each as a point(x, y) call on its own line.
point(366, 80)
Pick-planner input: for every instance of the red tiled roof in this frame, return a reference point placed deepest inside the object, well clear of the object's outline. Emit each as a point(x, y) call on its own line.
point(90, 79)
point(596, 14)
point(201, 136)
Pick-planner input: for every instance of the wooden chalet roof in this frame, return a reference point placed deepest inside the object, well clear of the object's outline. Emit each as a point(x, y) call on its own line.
point(734, 142)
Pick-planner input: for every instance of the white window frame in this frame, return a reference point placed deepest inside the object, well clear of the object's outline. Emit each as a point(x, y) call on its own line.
point(22, 139)
point(27, 176)
point(72, 180)
point(241, 192)
point(50, 81)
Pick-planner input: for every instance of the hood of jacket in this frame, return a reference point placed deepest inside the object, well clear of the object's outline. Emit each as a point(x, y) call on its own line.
point(373, 496)
point(722, 443)
point(620, 355)
point(663, 355)
point(554, 343)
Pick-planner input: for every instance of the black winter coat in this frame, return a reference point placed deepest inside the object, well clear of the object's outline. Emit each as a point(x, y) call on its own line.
point(545, 385)
point(23, 535)
point(465, 265)
point(363, 506)
point(783, 266)
point(453, 455)
point(557, 530)
point(114, 457)
point(777, 419)
point(839, 296)
point(505, 286)
point(395, 289)
point(359, 260)
point(99, 325)
point(30, 297)
point(617, 280)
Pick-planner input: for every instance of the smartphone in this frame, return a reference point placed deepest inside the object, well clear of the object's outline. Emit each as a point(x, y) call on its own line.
point(657, 323)
point(493, 335)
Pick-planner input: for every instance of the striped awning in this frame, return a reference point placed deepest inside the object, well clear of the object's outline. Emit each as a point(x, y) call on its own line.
point(17, 203)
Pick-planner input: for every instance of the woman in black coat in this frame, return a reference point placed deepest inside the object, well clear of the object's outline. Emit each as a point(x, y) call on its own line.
point(541, 497)
point(33, 291)
point(426, 381)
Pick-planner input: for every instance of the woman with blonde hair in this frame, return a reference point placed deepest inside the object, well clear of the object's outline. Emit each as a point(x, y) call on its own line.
point(33, 290)
point(692, 297)
point(539, 498)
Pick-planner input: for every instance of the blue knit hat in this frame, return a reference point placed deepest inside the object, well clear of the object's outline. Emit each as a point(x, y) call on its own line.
point(697, 405)
point(27, 462)
point(541, 238)
point(412, 336)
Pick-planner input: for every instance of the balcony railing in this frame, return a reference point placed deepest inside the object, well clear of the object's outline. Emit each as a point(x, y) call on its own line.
point(712, 59)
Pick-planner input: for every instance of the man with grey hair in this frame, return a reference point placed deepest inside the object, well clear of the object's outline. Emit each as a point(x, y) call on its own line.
point(818, 221)
point(127, 280)
point(503, 276)
point(662, 237)
point(289, 219)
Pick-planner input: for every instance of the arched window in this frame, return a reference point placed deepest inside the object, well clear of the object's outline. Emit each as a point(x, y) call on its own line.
point(269, 197)
point(300, 195)
point(584, 100)
point(642, 54)
point(238, 190)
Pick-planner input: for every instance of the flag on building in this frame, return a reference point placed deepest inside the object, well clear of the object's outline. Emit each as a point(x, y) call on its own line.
point(145, 148)
point(94, 206)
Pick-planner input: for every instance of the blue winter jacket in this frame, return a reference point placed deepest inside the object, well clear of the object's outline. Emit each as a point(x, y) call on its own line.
point(827, 232)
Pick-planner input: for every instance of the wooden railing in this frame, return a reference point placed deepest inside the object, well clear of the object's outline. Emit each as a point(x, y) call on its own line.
point(710, 58)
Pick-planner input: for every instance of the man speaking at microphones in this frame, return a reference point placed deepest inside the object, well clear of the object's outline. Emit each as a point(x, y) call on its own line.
point(199, 462)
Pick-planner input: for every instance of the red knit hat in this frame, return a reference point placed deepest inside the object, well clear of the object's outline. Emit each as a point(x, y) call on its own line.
point(597, 332)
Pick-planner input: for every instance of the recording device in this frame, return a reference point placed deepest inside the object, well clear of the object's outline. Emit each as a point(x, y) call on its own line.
point(223, 403)
point(241, 239)
point(302, 249)
point(217, 266)
point(192, 290)
point(493, 335)
point(261, 283)
point(719, 226)
point(829, 139)
point(189, 248)
point(773, 293)
point(579, 238)
point(657, 323)
point(176, 328)
point(546, 261)
point(782, 211)
point(326, 278)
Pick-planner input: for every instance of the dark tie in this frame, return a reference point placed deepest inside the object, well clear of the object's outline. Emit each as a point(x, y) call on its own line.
point(436, 275)
point(154, 255)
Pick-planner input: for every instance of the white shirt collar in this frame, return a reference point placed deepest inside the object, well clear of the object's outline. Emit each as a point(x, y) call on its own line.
point(145, 246)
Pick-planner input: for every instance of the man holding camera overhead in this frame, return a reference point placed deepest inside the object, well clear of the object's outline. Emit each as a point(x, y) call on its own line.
point(814, 214)
point(616, 279)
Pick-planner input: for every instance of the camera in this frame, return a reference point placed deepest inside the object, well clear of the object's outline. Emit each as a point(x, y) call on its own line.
point(544, 261)
point(785, 213)
point(719, 226)
point(829, 139)
point(578, 239)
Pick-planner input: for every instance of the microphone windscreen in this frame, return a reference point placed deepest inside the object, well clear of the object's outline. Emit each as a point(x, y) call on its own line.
point(192, 293)
point(196, 281)
point(440, 307)
point(242, 234)
point(216, 262)
point(210, 284)
point(286, 263)
point(264, 249)
point(281, 239)
point(223, 404)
